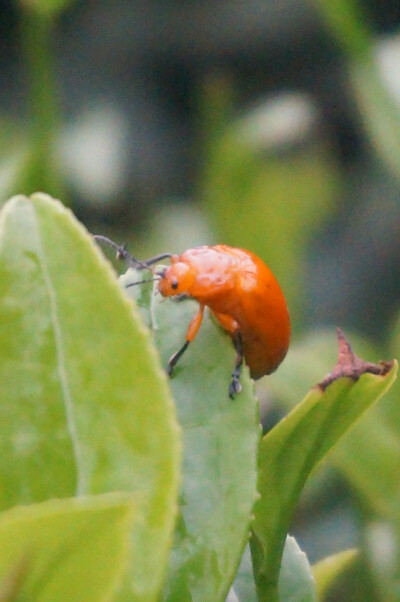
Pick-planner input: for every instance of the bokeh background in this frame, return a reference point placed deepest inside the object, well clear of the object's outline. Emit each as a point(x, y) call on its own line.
point(268, 124)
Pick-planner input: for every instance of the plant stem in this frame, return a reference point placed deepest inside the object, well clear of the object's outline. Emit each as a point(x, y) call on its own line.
point(40, 172)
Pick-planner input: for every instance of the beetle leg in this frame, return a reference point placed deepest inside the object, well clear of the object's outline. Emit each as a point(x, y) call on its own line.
point(235, 386)
point(175, 357)
point(191, 332)
point(227, 322)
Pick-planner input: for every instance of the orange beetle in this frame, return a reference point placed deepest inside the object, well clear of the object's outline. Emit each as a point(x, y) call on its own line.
point(242, 293)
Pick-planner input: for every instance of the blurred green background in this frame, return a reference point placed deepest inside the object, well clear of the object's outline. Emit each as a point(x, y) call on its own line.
point(272, 125)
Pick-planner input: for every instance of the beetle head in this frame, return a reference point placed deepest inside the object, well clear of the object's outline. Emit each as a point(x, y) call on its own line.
point(178, 278)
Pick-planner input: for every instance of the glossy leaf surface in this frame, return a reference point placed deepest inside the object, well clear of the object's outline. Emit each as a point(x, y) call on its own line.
point(220, 438)
point(85, 407)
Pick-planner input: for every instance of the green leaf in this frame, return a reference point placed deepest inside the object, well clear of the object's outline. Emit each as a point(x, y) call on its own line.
point(85, 406)
point(72, 549)
point(220, 438)
point(290, 452)
point(327, 570)
point(296, 581)
point(371, 470)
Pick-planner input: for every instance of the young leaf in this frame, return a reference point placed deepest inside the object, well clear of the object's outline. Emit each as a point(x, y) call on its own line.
point(220, 438)
point(295, 446)
point(371, 470)
point(72, 549)
point(85, 406)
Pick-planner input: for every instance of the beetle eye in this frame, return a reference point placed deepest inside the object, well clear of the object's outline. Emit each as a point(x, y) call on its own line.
point(174, 283)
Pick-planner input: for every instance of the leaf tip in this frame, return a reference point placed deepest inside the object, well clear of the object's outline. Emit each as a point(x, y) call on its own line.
point(350, 365)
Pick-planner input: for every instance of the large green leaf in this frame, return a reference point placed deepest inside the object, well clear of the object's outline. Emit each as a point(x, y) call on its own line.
point(84, 406)
point(220, 449)
point(72, 549)
point(291, 451)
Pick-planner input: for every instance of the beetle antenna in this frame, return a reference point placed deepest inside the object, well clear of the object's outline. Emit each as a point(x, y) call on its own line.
point(141, 282)
point(122, 252)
